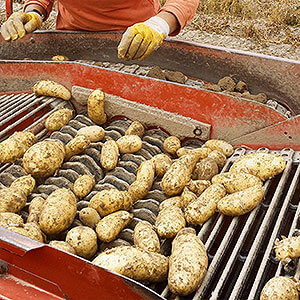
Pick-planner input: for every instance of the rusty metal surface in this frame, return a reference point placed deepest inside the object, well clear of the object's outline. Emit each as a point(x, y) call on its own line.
point(8, 7)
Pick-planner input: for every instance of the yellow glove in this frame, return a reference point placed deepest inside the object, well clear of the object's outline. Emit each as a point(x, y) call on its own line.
point(141, 39)
point(20, 23)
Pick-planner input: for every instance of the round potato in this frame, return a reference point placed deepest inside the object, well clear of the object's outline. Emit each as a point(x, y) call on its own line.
point(221, 146)
point(59, 58)
point(8, 219)
point(25, 183)
point(89, 217)
point(172, 144)
point(206, 169)
point(218, 157)
point(162, 163)
point(83, 185)
point(109, 155)
point(35, 208)
point(287, 249)
point(96, 107)
point(52, 89)
point(129, 143)
point(58, 119)
point(77, 145)
point(12, 200)
point(31, 230)
point(62, 245)
point(93, 133)
point(135, 128)
point(173, 201)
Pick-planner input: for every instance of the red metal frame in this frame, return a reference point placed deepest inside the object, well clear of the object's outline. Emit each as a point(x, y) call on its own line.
point(9, 8)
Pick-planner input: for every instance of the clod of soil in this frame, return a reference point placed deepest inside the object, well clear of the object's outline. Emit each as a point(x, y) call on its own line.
point(227, 84)
point(156, 72)
point(261, 97)
point(175, 76)
point(212, 87)
point(241, 87)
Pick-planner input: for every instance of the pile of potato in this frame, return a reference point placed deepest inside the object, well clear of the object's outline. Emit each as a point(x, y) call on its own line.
point(189, 178)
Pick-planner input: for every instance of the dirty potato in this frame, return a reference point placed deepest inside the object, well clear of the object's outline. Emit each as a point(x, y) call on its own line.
point(58, 119)
point(206, 169)
point(129, 143)
point(83, 185)
point(109, 155)
point(58, 212)
point(218, 157)
point(260, 164)
point(35, 208)
point(242, 202)
point(96, 107)
point(52, 89)
point(89, 217)
point(236, 182)
point(110, 226)
point(162, 163)
point(8, 219)
point(44, 158)
point(198, 186)
point(146, 172)
point(220, 145)
point(202, 152)
point(93, 133)
point(135, 128)
point(25, 183)
point(62, 245)
point(173, 201)
point(84, 240)
point(204, 207)
point(135, 263)
point(287, 249)
point(145, 237)
point(280, 288)
point(187, 196)
point(31, 230)
point(138, 190)
point(109, 201)
point(59, 58)
point(172, 144)
point(187, 264)
point(12, 200)
point(77, 145)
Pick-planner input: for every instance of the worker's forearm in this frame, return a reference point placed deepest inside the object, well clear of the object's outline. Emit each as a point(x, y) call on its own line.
point(39, 8)
point(170, 19)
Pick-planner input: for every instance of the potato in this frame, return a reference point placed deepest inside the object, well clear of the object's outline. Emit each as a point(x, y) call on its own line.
point(173, 201)
point(221, 146)
point(109, 155)
point(52, 89)
point(280, 288)
point(218, 157)
point(204, 207)
point(205, 169)
point(35, 208)
point(129, 143)
point(135, 263)
point(58, 119)
point(84, 240)
point(145, 237)
point(242, 202)
point(260, 164)
point(96, 107)
point(25, 183)
point(169, 222)
point(83, 185)
point(110, 226)
point(202, 152)
point(62, 245)
point(58, 212)
point(179, 174)
point(198, 186)
point(44, 158)
point(287, 249)
point(109, 201)
point(77, 145)
point(162, 163)
point(89, 217)
point(31, 230)
point(187, 264)
point(59, 58)
point(236, 182)
point(12, 200)
point(187, 196)
point(138, 190)
point(8, 219)
point(135, 128)
point(93, 133)
point(172, 144)
point(15, 146)
point(146, 172)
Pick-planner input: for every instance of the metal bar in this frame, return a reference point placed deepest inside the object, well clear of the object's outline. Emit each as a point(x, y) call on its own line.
point(11, 99)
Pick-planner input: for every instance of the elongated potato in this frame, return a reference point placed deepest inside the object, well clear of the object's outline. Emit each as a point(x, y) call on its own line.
point(135, 263)
point(236, 182)
point(146, 172)
point(138, 190)
point(77, 145)
point(52, 89)
point(169, 222)
point(242, 202)
point(89, 217)
point(187, 264)
point(202, 152)
point(220, 145)
point(109, 155)
point(58, 119)
point(109, 201)
point(162, 163)
point(31, 230)
point(25, 183)
point(172, 144)
point(8, 219)
point(15, 146)
point(173, 201)
point(35, 208)
point(218, 157)
point(96, 107)
point(62, 245)
point(198, 186)
point(12, 200)
point(204, 207)
point(145, 237)
point(44, 158)
point(287, 249)
point(110, 226)
point(260, 164)
point(280, 288)
point(206, 169)
point(135, 128)
point(84, 240)
point(58, 212)
point(187, 196)
point(83, 185)
point(129, 143)
point(93, 133)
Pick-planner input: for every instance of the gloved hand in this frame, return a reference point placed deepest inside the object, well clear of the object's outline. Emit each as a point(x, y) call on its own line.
point(20, 23)
point(141, 39)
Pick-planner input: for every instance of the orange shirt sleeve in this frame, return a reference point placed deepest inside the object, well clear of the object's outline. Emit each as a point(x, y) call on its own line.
point(184, 11)
point(46, 4)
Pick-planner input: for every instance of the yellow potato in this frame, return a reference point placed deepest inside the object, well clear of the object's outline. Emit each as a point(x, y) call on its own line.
point(12, 200)
point(162, 163)
point(146, 172)
point(242, 202)
point(89, 217)
point(135, 128)
point(25, 183)
point(187, 264)
point(59, 58)
point(8, 219)
point(218, 157)
point(260, 164)
point(135, 263)
point(93, 133)
point(44, 158)
point(62, 245)
point(84, 240)
point(198, 186)
point(77, 145)
point(83, 185)
point(110, 226)
point(287, 249)
point(205, 169)
point(187, 196)
point(204, 207)
point(31, 230)
point(221, 146)
point(129, 143)
point(138, 190)
point(109, 155)
point(52, 89)
point(173, 201)
point(58, 212)
point(172, 144)
point(96, 107)
point(58, 119)
point(202, 152)
point(35, 208)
